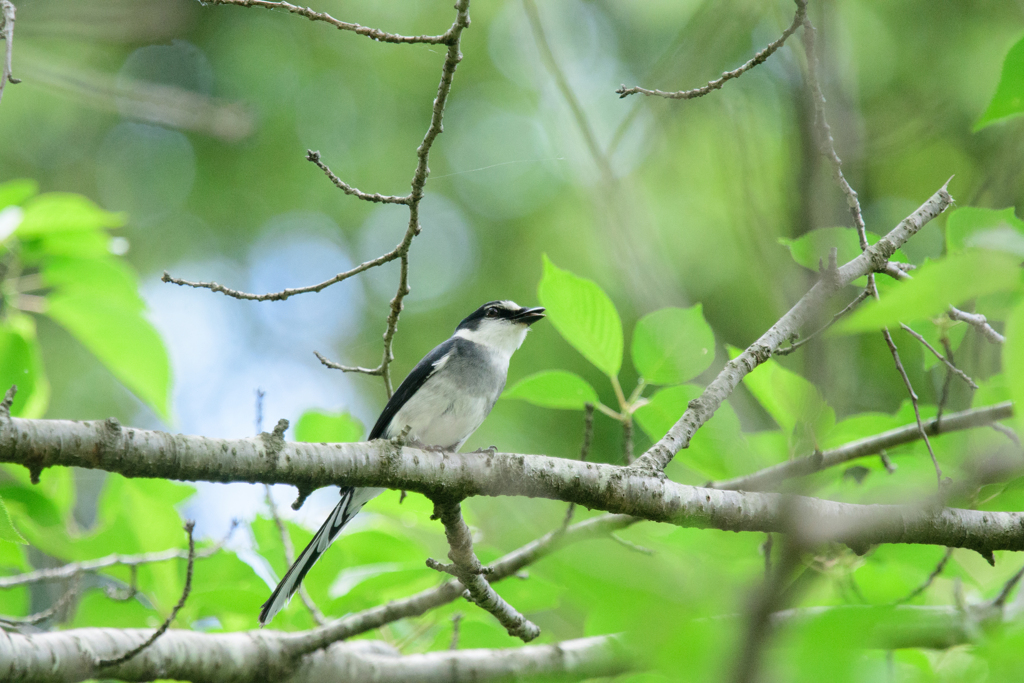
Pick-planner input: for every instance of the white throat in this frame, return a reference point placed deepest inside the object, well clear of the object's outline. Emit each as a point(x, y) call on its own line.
point(500, 337)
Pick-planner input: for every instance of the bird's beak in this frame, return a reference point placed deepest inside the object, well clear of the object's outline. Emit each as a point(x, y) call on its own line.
point(529, 316)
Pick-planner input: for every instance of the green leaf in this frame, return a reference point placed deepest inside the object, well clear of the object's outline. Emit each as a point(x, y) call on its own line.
point(105, 277)
point(793, 402)
point(1009, 98)
point(1013, 362)
point(673, 345)
point(812, 248)
point(936, 285)
point(63, 212)
point(7, 530)
point(318, 427)
point(17, 191)
point(584, 316)
point(21, 364)
point(554, 389)
point(121, 339)
point(999, 230)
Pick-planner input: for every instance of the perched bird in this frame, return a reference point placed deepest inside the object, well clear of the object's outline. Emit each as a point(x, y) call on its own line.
point(442, 402)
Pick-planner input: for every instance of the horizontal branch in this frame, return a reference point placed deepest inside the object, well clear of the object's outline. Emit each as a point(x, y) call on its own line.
point(770, 477)
point(258, 656)
point(106, 445)
point(373, 33)
point(759, 58)
point(788, 326)
point(290, 292)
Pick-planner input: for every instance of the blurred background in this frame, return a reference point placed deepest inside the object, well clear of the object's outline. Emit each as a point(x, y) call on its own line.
point(195, 121)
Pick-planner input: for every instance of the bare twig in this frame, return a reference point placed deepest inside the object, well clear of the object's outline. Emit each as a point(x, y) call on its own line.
point(470, 573)
point(456, 619)
point(1007, 432)
point(349, 190)
point(952, 368)
point(760, 57)
point(346, 368)
point(72, 569)
point(913, 400)
point(588, 435)
point(7, 13)
point(451, 61)
point(947, 381)
point(373, 33)
point(643, 550)
point(174, 612)
point(1008, 587)
point(627, 440)
point(978, 321)
point(770, 477)
point(864, 294)
point(289, 557)
point(291, 291)
point(930, 580)
point(33, 619)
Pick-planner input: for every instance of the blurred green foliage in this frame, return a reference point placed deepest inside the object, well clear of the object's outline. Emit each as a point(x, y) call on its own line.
point(687, 232)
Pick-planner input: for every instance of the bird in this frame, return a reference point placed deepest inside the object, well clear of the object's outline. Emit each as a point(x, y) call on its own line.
point(442, 401)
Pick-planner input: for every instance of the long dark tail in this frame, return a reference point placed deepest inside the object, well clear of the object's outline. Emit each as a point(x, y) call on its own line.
point(352, 501)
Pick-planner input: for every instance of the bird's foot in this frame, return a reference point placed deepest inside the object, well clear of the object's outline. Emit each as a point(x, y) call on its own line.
point(490, 450)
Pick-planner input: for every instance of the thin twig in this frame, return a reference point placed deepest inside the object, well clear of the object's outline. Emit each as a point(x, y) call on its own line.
point(947, 381)
point(643, 550)
point(770, 477)
point(760, 57)
point(952, 368)
point(978, 321)
point(33, 619)
point(451, 61)
point(189, 526)
point(1007, 432)
point(930, 580)
point(913, 400)
point(346, 368)
point(588, 435)
point(1008, 587)
point(349, 190)
point(456, 619)
point(470, 573)
point(7, 13)
point(291, 291)
point(373, 33)
point(73, 569)
point(864, 294)
point(289, 557)
point(627, 440)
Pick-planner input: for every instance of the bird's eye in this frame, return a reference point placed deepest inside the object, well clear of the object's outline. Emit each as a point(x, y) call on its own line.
point(491, 312)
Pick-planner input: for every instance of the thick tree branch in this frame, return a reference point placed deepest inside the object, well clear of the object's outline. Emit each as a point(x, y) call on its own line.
point(37, 444)
point(769, 478)
point(759, 58)
point(871, 260)
point(259, 656)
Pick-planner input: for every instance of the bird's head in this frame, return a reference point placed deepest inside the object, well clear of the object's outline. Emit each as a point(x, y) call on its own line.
point(499, 325)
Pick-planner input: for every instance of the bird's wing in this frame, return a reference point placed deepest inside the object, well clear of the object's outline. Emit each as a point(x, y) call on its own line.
point(430, 364)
